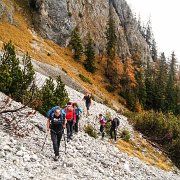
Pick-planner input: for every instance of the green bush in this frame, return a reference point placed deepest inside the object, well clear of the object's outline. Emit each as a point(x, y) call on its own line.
point(69, 14)
point(161, 128)
point(110, 88)
point(80, 15)
point(125, 135)
point(85, 79)
point(91, 131)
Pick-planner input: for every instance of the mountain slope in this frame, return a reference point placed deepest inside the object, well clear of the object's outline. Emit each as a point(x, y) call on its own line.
point(26, 39)
point(86, 158)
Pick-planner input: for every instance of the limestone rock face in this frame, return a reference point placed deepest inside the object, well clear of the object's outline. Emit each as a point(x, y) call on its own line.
point(56, 19)
point(6, 12)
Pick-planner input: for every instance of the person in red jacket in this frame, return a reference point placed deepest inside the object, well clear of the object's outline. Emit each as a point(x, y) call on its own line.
point(71, 120)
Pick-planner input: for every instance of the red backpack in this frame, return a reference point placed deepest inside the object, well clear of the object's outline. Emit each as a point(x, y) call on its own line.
point(70, 114)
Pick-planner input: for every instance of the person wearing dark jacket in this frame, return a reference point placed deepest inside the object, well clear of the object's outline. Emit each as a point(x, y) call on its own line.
point(114, 126)
point(56, 124)
point(88, 102)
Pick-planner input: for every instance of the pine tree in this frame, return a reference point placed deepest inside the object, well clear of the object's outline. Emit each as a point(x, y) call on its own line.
point(149, 83)
point(90, 56)
point(160, 83)
point(153, 50)
point(148, 36)
point(171, 96)
point(111, 44)
point(10, 74)
point(60, 94)
point(76, 45)
point(46, 96)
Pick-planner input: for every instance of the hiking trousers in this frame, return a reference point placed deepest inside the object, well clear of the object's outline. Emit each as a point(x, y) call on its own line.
point(102, 131)
point(76, 124)
point(113, 130)
point(69, 126)
point(56, 139)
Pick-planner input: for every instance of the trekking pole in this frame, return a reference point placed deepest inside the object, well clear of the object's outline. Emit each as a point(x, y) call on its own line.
point(44, 142)
point(65, 143)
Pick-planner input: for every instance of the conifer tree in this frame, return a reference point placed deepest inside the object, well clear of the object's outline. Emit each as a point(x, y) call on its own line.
point(171, 96)
point(10, 74)
point(46, 96)
point(60, 94)
point(149, 83)
point(90, 56)
point(76, 44)
point(111, 44)
point(153, 50)
point(161, 83)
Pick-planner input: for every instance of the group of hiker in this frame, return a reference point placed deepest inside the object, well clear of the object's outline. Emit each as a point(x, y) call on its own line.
point(68, 118)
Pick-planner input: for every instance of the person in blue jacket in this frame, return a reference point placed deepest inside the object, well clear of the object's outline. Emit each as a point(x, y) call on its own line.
point(78, 111)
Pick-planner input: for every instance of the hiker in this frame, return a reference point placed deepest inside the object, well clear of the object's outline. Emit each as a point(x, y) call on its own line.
point(78, 110)
point(88, 102)
point(56, 124)
point(71, 120)
point(114, 125)
point(102, 121)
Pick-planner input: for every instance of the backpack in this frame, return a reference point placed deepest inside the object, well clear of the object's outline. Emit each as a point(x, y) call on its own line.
point(52, 110)
point(103, 120)
point(117, 120)
point(69, 113)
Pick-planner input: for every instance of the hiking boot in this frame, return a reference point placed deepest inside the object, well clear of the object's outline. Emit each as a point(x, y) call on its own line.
point(71, 138)
point(68, 139)
point(56, 158)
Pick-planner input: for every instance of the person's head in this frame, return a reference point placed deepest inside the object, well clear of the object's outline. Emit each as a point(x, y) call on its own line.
point(57, 112)
point(75, 105)
point(69, 105)
point(100, 115)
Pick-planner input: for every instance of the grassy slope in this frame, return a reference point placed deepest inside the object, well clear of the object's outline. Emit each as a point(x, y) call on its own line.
point(47, 51)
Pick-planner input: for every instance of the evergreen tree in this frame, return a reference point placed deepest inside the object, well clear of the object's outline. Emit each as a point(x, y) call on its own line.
point(160, 83)
point(149, 83)
point(90, 56)
point(60, 94)
point(10, 74)
point(76, 45)
point(171, 96)
point(46, 96)
point(148, 36)
point(111, 44)
point(153, 50)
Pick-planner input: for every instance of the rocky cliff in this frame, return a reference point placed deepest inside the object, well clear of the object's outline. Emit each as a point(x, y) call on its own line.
point(56, 19)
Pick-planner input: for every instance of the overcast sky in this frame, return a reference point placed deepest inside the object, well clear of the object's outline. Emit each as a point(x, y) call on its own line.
point(165, 17)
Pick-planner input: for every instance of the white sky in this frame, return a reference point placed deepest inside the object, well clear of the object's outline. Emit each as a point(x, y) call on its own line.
point(165, 18)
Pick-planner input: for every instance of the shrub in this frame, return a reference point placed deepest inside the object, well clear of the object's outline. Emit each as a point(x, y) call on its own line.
point(69, 14)
point(91, 131)
point(125, 135)
point(80, 15)
point(85, 79)
point(161, 128)
point(110, 88)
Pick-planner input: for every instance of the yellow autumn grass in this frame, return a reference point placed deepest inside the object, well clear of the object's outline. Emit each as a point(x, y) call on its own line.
point(145, 152)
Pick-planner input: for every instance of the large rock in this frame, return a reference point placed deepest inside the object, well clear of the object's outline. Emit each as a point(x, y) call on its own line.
point(56, 19)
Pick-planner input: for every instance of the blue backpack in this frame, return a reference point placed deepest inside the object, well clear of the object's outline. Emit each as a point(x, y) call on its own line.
point(52, 110)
